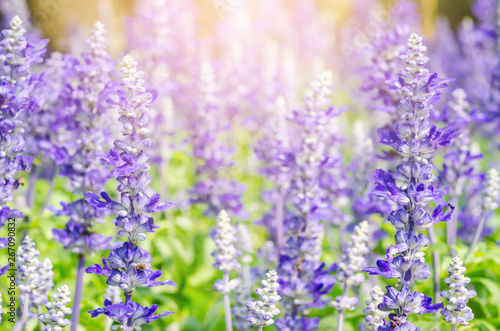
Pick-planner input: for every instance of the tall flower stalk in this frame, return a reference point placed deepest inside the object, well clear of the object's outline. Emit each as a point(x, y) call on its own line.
point(275, 142)
point(415, 138)
point(81, 133)
point(456, 312)
point(18, 103)
point(226, 260)
point(460, 160)
point(303, 278)
point(213, 186)
point(28, 277)
point(129, 266)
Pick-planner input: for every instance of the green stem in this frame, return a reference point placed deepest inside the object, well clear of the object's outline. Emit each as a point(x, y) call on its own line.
point(227, 303)
point(340, 320)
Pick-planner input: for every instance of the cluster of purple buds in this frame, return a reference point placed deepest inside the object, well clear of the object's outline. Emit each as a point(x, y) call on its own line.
point(129, 266)
point(416, 139)
point(55, 320)
point(263, 310)
point(374, 317)
point(456, 312)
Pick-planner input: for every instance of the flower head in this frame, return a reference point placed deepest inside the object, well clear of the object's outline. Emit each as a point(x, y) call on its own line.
point(457, 312)
point(374, 317)
point(416, 139)
point(130, 316)
point(28, 265)
point(225, 253)
point(263, 310)
point(55, 319)
point(129, 266)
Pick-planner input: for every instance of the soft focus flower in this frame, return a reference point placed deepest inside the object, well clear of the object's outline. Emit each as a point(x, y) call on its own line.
point(225, 254)
point(28, 265)
point(456, 312)
point(55, 319)
point(374, 316)
point(352, 262)
point(303, 278)
point(263, 310)
point(18, 103)
point(492, 190)
point(213, 186)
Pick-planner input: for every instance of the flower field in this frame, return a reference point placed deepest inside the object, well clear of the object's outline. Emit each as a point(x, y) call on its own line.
point(290, 165)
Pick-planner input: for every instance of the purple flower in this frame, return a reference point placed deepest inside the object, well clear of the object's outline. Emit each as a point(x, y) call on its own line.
point(130, 315)
point(405, 302)
point(416, 139)
point(18, 104)
point(303, 278)
point(129, 266)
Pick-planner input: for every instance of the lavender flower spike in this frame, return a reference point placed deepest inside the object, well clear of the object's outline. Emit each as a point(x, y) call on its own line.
point(456, 312)
point(129, 266)
point(263, 310)
point(347, 271)
point(416, 139)
point(374, 316)
point(55, 319)
point(17, 104)
point(490, 202)
point(226, 260)
point(303, 278)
